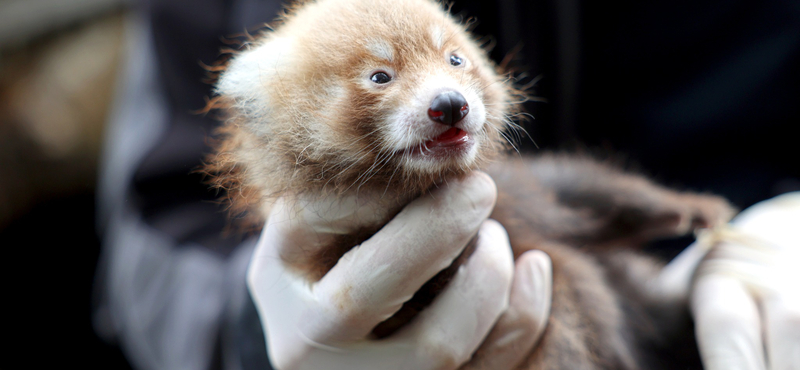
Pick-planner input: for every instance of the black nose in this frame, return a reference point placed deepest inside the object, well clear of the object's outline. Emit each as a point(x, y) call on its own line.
point(448, 108)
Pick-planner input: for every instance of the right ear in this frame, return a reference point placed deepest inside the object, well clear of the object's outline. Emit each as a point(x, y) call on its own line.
point(246, 79)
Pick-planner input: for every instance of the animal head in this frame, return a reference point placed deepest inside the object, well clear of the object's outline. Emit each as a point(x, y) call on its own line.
point(351, 93)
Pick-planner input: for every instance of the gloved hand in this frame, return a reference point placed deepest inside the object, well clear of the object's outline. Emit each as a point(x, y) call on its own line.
point(745, 296)
point(325, 324)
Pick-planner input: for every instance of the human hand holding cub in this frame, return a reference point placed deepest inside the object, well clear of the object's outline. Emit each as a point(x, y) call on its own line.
point(327, 323)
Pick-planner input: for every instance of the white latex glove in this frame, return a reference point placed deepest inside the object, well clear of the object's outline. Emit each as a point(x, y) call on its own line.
point(326, 324)
point(745, 297)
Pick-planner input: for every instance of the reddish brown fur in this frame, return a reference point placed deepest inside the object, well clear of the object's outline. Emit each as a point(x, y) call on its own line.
point(322, 133)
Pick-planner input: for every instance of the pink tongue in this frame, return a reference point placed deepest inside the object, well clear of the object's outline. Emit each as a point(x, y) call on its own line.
point(447, 135)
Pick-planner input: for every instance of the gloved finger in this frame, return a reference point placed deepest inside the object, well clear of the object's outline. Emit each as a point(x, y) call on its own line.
point(782, 329)
point(449, 331)
point(281, 297)
point(727, 324)
point(518, 330)
point(373, 280)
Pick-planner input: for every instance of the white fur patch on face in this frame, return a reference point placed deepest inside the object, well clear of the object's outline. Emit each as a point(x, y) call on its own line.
point(437, 36)
point(433, 165)
point(381, 49)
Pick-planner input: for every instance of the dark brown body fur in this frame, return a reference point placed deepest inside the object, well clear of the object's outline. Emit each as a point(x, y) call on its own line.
point(590, 218)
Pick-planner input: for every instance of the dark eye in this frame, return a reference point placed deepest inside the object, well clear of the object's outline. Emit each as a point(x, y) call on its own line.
point(380, 78)
point(456, 61)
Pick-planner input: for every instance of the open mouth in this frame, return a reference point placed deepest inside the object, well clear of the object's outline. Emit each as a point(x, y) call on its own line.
point(450, 138)
point(449, 143)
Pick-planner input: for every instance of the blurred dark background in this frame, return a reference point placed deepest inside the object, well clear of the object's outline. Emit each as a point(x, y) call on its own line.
point(700, 95)
point(59, 61)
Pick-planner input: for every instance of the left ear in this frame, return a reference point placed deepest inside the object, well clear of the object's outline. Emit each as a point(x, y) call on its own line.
point(244, 81)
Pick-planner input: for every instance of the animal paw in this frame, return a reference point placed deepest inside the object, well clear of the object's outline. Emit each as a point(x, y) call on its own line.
point(668, 215)
point(703, 211)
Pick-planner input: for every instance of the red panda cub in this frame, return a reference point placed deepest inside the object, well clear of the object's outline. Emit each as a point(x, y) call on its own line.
point(349, 95)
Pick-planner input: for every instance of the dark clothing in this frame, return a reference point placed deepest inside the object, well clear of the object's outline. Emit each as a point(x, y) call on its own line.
point(700, 94)
point(703, 95)
point(171, 285)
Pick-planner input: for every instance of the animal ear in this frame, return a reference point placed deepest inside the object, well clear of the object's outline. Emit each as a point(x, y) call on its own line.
point(249, 74)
